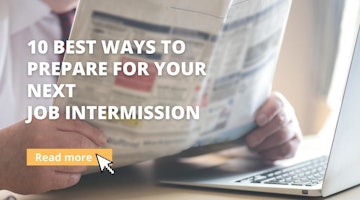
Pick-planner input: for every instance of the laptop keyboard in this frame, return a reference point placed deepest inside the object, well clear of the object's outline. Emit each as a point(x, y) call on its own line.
point(308, 173)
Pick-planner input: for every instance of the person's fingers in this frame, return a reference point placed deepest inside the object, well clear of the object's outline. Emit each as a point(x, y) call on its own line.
point(260, 134)
point(82, 128)
point(269, 109)
point(280, 137)
point(74, 140)
point(62, 139)
point(64, 180)
point(70, 169)
point(286, 150)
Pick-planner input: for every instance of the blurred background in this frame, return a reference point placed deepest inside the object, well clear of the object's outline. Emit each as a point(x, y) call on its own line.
point(315, 57)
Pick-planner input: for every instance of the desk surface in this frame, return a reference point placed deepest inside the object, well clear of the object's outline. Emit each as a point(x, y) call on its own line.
point(139, 182)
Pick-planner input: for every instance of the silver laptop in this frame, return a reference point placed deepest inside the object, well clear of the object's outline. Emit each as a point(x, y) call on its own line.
point(322, 176)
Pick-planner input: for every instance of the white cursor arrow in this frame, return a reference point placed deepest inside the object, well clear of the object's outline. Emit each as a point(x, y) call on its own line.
point(104, 163)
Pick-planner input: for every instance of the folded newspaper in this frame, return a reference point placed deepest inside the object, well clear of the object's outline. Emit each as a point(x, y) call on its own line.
point(237, 40)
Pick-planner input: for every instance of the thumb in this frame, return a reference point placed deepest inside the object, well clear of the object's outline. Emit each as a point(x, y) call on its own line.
point(269, 109)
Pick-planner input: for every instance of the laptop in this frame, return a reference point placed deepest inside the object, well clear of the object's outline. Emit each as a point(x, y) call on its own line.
point(321, 176)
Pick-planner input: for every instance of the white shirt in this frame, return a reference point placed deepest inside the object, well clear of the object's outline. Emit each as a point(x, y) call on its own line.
point(20, 22)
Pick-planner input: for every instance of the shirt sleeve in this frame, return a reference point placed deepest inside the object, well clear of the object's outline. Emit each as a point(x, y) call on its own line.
point(31, 11)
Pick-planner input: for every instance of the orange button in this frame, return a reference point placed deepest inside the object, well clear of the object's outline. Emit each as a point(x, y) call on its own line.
point(65, 157)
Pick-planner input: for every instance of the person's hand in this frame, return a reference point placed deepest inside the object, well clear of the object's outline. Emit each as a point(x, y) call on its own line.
point(14, 140)
point(61, 6)
point(278, 133)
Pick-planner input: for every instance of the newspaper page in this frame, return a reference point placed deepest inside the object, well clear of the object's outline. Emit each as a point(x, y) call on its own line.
point(236, 43)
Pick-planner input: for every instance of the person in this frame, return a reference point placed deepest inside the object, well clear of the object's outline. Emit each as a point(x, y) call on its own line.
point(20, 22)
point(276, 137)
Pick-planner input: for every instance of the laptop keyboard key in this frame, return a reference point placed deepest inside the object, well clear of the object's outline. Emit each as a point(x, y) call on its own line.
point(308, 173)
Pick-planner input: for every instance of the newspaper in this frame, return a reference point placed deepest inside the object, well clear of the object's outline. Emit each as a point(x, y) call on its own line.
point(238, 40)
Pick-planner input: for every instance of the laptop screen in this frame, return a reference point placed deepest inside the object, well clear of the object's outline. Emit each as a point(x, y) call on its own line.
point(344, 156)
